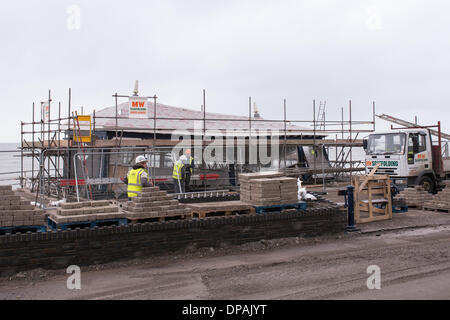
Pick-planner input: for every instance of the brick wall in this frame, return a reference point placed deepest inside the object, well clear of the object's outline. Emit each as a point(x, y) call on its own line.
point(59, 249)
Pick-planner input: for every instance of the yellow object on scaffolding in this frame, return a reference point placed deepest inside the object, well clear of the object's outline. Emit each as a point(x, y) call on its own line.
point(82, 129)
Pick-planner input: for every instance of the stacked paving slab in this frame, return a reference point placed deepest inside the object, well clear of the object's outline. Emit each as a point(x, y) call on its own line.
point(288, 190)
point(441, 200)
point(267, 188)
point(17, 212)
point(86, 211)
point(414, 197)
point(154, 203)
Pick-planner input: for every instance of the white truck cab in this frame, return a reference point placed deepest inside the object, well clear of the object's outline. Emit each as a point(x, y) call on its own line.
point(408, 156)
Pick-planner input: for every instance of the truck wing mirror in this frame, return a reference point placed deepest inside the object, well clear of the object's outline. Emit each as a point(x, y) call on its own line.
point(365, 144)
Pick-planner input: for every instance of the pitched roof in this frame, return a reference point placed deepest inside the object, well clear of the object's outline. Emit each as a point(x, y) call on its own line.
point(189, 120)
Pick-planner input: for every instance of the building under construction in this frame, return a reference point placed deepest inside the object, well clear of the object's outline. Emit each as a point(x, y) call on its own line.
point(89, 155)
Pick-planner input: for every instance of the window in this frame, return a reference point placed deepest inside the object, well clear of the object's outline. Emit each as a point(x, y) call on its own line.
point(391, 143)
point(422, 143)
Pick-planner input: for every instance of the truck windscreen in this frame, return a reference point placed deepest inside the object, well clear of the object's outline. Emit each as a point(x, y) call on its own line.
point(390, 143)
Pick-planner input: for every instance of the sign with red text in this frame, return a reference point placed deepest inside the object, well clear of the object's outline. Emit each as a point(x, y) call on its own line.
point(46, 111)
point(138, 107)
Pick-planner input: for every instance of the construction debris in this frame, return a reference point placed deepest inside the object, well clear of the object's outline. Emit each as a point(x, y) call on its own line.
point(86, 211)
point(154, 203)
point(16, 212)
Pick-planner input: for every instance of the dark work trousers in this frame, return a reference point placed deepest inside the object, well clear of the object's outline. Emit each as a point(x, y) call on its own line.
point(187, 181)
point(176, 186)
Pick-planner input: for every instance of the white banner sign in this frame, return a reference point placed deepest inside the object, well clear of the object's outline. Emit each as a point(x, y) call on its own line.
point(46, 111)
point(138, 107)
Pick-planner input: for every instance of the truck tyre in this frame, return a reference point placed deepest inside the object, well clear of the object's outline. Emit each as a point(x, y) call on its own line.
point(427, 184)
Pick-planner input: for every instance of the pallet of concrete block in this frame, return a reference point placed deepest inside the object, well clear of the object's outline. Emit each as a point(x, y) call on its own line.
point(17, 214)
point(439, 201)
point(268, 188)
point(86, 214)
point(265, 192)
point(414, 197)
point(153, 204)
point(288, 190)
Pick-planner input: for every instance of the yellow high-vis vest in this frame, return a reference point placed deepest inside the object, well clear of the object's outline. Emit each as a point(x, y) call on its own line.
point(190, 163)
point(134, 182)
point(177, 171)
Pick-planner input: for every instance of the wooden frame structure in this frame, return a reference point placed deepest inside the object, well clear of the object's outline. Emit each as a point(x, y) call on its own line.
point(372, 196)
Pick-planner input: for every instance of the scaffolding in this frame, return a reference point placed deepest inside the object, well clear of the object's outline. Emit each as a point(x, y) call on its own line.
point(55, 151)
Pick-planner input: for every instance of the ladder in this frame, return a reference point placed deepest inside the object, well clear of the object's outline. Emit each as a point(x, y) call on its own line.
point(410, 125)
point(320, 124)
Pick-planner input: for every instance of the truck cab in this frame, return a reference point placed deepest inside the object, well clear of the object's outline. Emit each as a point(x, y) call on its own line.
point(406, 156)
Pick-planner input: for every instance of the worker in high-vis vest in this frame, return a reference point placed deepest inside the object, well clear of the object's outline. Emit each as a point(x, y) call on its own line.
point(179, 175)
point(189, 169)
point(138, 177)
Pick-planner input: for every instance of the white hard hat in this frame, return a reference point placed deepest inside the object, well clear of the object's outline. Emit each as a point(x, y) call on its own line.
point(140, 159)
point(183, 158)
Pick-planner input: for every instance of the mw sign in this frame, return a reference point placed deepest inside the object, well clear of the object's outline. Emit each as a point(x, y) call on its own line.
point(138, 107)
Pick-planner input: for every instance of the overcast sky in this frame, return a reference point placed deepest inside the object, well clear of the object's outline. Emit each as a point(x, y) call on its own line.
point(394, 52)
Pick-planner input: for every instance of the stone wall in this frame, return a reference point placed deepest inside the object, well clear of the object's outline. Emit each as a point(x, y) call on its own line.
point(59, 249)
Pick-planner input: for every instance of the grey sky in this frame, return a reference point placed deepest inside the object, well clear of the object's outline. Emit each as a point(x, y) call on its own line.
point(393, 52)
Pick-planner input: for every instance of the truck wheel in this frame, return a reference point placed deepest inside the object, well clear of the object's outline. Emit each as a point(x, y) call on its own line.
point(427, 184)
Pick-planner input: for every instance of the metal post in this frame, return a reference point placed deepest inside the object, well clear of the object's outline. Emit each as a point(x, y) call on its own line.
point(41, 181)
point(204, 129)
point(67, 158)
point(42, 122)
point(285, 132)
point(21, 154)
point(373, 115)
point(342, 137)
point(314, 145)
point(116, 118)
point(93, 130)
point(441, 164)
point(32, 150)
point(250, 129)
point(76, 177)
point(59, 141)
point(48, 145)
point(351, 140)
point(351, 209)
point(154, 139)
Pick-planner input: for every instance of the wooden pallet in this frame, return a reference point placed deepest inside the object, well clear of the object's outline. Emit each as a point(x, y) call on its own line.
point(85, 224)
point(280, 207)
point(221, 208)
point(15, 229)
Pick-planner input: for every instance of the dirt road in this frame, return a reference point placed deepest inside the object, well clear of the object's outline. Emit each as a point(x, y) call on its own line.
point(414, 264)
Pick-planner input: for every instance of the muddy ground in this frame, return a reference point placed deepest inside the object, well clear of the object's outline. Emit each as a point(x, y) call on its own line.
point(412, 251)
